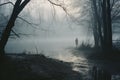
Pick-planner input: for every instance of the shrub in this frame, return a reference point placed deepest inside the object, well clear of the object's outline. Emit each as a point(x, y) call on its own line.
point(85, 45)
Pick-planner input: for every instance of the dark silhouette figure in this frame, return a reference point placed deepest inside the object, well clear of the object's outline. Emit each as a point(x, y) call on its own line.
point(76, 42)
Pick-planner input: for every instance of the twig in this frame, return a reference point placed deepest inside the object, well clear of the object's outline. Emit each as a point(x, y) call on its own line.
point(15, 33)
point(25, 20)
point(7, 3)
point(60, 5)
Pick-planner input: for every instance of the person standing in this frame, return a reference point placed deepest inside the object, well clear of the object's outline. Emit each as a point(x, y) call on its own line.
point(76, 42)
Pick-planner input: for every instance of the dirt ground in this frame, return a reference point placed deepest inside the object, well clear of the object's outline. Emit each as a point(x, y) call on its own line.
point(36, 67)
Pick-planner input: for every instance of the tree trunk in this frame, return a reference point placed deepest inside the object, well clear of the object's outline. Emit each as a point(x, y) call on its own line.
point(98, 23)
point(6, 34)
point(104, 16)
point(18, 7)
point(109, 26)
point(96, 35)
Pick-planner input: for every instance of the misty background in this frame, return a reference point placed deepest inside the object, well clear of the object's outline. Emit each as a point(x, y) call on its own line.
point(50, 28)
point(40, 38)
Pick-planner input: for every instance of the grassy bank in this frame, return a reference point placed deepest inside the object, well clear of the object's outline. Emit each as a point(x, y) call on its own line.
point(97, 57)
point(92, 52)
point(35, 67)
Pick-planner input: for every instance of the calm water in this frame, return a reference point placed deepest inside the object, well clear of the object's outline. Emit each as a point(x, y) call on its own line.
point(54, 48)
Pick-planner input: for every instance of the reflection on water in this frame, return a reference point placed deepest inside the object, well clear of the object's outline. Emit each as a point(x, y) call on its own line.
point(58, 49)
point(49, 47)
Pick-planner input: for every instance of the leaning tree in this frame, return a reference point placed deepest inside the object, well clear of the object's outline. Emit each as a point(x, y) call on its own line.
point(18, 7)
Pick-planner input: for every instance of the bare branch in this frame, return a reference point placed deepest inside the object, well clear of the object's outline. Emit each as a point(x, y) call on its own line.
point(32, 24)
point(15, 33)
point(23, 4)
point(55, 3)
point(60, 5)
point(115, 13)
point(64, 9)
point(25, 20)
point(113, 2)
point(7, 3)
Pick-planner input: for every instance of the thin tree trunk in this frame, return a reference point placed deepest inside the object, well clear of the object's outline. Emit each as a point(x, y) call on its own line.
point(98, 23)
point(96, 36)
point(104, 14)
point(109, 26)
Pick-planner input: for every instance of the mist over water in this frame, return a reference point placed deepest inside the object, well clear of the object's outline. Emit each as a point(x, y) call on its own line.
point(60, 29)
point(53, 29)
point(58, 48)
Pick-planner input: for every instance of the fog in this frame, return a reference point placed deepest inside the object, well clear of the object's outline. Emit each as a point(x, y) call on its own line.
point(42, 37)
point(52, 31)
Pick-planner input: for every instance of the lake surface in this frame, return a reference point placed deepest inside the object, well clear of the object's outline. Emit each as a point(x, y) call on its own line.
point(53, 48)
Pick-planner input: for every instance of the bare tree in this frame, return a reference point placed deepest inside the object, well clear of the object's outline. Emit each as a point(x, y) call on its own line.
point(106, 12)
point(18, 7)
